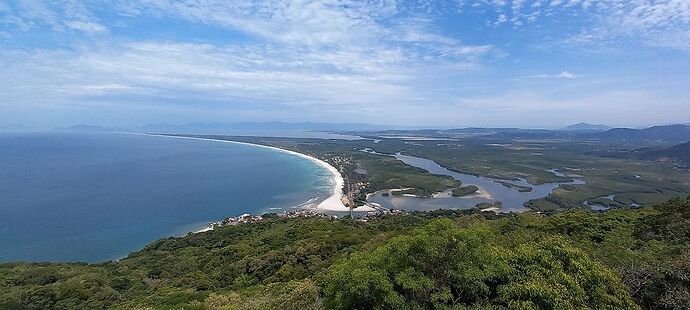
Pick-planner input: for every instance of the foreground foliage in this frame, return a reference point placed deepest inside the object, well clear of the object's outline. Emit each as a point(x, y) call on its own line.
point(436, 260)
point(441, 265)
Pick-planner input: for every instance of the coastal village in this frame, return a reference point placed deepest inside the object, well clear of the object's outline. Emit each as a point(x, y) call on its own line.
point(295, 213)
point(354, 194)
point(355, 183)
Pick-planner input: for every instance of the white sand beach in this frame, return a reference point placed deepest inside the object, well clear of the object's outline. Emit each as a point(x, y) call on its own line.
point(208, 228)
point(331, 203)
point(492, 209)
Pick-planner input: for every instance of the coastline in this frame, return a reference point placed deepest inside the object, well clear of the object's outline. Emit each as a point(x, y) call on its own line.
point(330, 203)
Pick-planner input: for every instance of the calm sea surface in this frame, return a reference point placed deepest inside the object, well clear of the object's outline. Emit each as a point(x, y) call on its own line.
point(95, 197)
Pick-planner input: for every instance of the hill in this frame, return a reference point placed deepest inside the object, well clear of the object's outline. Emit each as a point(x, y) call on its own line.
point(91, 128)
point(621, 259)
point(668, 134)
point(678, 153)
point(588, 127)
point(201, 127)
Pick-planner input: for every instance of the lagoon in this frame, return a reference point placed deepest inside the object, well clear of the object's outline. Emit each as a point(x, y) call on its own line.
point(490, 190)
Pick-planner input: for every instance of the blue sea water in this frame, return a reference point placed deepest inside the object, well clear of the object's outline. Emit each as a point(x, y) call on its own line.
point(95, 197)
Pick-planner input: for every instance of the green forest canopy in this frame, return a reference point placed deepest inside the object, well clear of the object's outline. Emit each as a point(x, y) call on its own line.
point(619, 259)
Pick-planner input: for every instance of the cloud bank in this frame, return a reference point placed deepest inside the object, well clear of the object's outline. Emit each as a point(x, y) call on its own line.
point(416, 62)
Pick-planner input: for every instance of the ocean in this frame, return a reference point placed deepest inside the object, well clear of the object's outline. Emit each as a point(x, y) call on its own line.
point(98, 196)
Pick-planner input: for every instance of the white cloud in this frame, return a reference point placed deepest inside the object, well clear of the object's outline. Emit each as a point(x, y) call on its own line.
point(59, 15)
point(343, 24)
point(37, 10)
point(335, 57)
point(664, 23)
point(207, 73)
point(567, 75)
point(502, 19)
point(254, 80)
point(562, 75)
point(88, 27)
point(302, 53)
point(307, 22)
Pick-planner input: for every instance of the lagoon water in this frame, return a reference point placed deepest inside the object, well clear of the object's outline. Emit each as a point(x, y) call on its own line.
point(512, 200)
point(95, 197)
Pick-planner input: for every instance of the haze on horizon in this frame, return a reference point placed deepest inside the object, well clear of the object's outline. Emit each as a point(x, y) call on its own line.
point(404, 63)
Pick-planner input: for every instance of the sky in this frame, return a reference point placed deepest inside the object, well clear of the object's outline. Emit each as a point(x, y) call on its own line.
point(491, 63)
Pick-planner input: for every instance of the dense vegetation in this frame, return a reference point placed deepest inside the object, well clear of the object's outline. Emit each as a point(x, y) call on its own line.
point(465, 190)
point(388, 173)
point(679, 153)
point(441, 266)
point(438, 260)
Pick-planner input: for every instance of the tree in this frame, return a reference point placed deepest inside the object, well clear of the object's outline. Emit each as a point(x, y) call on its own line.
point(442, 266)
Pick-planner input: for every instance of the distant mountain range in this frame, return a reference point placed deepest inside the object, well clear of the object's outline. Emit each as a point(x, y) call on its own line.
point(671, 133)
point(580, 127)
point(222, 128)
point(219, 127)
point(657, 135)
point(91, 128)
point(588, 127)
point(15, 127)
point(663, 135)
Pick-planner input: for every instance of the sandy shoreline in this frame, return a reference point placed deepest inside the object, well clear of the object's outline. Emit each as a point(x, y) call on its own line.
point(208, 228)
point(331, 203)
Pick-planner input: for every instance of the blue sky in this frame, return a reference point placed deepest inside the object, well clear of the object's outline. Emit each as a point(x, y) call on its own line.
point(420, 63)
